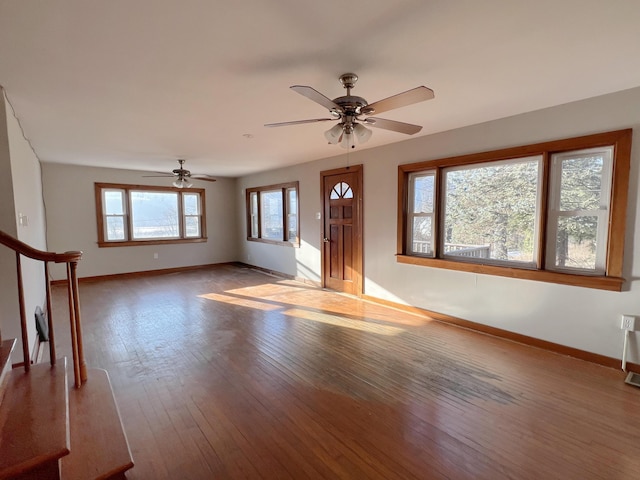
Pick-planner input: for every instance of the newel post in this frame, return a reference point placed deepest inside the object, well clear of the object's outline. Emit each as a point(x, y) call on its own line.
point(73, 329)
point(78, 322)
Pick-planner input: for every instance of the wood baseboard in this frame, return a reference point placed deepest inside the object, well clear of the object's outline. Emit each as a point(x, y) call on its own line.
point(144, 273)
point(283, 275)
point(507, 335)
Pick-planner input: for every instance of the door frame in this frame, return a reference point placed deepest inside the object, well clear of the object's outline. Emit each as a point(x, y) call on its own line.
point(358, 242)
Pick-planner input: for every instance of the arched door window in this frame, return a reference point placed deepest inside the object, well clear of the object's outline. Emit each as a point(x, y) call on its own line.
point(341, 190)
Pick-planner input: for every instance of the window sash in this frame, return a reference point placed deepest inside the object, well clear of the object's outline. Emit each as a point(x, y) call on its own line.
point(421, 247)
point(191, 221)
point(120, 218)
point(291, 216)
point(144, 228)
point(556, 214)
point(254, 216)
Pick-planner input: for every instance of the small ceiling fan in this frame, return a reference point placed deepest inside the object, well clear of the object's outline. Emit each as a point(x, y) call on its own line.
point(183, 176)
point(349, 109)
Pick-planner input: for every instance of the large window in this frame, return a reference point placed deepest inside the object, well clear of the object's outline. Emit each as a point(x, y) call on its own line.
point(135, 215)
point(272, 214)
point(553, 212)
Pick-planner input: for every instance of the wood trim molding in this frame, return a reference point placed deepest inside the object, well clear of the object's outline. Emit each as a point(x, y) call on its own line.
point(613, 284)
point(306, 281)
point(139, 243)
point(612, 279)
point(144, 273)
point(507, 335)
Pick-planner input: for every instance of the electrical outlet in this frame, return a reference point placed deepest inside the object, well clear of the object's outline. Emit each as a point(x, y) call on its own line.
point(155, 256)
point(628, 323)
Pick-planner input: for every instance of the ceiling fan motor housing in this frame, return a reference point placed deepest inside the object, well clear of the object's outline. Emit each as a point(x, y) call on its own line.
point(351, 104)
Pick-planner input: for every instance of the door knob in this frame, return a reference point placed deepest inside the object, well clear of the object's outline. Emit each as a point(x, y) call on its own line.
point(325, 240)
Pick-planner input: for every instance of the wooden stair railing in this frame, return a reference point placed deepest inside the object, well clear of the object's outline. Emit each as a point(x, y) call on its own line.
point(47, 430)
point(71, 260)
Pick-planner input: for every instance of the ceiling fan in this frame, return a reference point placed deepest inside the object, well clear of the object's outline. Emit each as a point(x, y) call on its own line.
point(349, 109)
point(183, 176)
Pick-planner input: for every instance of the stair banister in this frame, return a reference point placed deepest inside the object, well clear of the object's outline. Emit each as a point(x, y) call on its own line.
point(71, 260)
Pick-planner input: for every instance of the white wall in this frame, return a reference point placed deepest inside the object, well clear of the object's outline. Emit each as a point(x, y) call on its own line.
point(71, 221)
point(20, 193)
point(582, 318)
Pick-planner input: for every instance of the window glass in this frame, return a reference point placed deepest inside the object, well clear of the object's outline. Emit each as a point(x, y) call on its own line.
point(341, 190)
point(576, 242)
point(115, 228)
point(292, 215)
point(491, 211)
point(154, 215)
point(253, 208)
point(114, 202)
point(272, 220)
point(191, 204)
point(191, 227)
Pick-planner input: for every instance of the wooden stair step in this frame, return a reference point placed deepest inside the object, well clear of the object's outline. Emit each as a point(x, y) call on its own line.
point(6, 347)
point(99, 446)
point(34, 422)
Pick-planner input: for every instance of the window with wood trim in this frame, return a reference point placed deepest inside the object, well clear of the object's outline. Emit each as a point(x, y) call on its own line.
point(553, 211)
point(272, 214)
point(142, 215)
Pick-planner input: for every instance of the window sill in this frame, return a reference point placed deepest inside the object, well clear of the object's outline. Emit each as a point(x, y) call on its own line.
point(139, 243)
point(613, 284)
point(274, 242)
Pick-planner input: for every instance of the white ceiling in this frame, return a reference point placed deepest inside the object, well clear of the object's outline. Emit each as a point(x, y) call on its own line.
point(139, 83)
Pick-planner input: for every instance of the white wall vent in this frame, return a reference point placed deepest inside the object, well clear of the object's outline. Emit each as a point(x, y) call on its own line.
point(633, 379)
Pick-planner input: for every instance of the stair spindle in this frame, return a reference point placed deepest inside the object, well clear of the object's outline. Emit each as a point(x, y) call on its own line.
point(52, 343)
point(23, 317)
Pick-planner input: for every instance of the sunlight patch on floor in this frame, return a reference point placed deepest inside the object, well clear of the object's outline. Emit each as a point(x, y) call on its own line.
point(240, 301)
point(360, 325)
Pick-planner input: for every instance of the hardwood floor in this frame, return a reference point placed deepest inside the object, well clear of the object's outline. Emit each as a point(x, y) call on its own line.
point(229, 373)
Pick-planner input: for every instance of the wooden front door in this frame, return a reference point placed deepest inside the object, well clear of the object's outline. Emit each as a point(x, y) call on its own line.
point(342, 232)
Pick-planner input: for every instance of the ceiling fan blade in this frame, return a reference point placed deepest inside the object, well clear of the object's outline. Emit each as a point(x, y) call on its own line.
point(298, 122)
point(415, 95)
point(204, 177)
point(399, 127)
point(316, 96)
point(158, 176)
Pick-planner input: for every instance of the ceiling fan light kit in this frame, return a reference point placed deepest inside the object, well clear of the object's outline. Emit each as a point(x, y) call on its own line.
point(182, 183)
point(334, 134)
point(183, 176)
point(362, 132)
point(349, 109)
